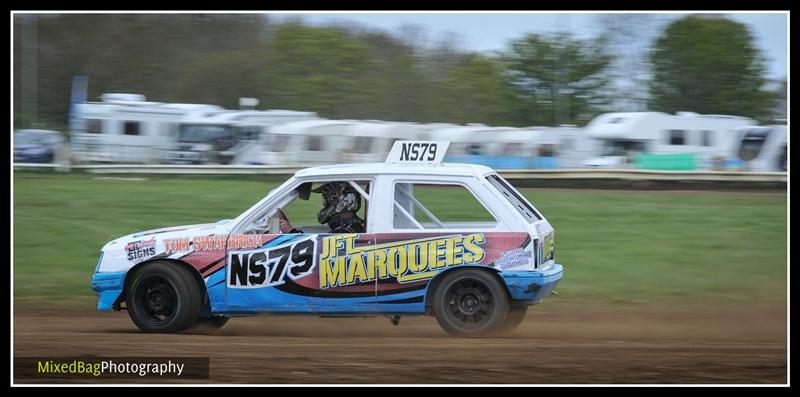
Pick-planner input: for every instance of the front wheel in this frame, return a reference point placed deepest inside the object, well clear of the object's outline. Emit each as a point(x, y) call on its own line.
point(470, 302)
point(163, 297)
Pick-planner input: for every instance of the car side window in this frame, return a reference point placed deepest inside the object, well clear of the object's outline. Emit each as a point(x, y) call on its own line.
point(311, 203)
point(430, 207)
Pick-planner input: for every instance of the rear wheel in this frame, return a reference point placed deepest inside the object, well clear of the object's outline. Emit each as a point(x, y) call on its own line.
point(163, 297)
point(470, 302)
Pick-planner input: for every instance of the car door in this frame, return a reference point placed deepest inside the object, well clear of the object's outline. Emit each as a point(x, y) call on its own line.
point(309, 272)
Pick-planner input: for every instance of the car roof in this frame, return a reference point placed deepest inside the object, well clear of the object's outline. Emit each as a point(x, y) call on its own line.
point(447, 169)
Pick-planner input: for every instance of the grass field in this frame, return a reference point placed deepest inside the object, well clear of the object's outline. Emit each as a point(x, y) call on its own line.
point(636, 248)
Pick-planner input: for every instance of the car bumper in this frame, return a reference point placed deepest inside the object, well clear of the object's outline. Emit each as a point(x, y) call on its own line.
point(108, 287)
point(532, 286)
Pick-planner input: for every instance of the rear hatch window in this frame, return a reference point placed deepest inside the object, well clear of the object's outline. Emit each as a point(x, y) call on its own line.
point(515, 198)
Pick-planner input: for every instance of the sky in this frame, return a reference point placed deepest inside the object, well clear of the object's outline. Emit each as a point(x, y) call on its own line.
point(486, 32)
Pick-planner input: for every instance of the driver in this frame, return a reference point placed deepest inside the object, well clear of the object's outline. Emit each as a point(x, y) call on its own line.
point(340, 203)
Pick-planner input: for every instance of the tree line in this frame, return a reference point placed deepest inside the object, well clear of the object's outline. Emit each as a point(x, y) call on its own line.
point(707, 65)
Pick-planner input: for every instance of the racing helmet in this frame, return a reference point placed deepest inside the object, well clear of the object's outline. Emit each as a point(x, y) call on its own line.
point(337, 198)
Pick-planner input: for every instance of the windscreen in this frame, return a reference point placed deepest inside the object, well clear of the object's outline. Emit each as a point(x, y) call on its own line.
point(622, 148)
point(202, 133)
point(752, 143)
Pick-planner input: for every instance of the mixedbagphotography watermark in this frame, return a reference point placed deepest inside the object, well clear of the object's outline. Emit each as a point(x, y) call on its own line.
point(111, 367)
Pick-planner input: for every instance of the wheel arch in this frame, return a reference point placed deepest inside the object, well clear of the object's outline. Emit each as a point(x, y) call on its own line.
point(434, 283)
point(175, 262)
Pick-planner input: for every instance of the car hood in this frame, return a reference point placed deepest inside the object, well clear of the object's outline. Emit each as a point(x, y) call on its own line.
point(150, 243)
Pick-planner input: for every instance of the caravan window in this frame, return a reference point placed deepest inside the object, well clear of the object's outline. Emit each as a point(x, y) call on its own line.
point(131, 128)
point(752, 143)
point(94, 126)
point(676, 137)
point(314, 143)
point(512, 149)
point(547, 150)
point(248, 133)
point(276, 142)
point(475, 149)
point(362, 144)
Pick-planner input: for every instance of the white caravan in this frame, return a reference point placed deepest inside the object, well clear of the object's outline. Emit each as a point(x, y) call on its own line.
point(127, 128)
point(301, 142)
point(763, 148)
point(573, 146)
point(499, 147)
point(473, 139)
point(701, 140)
point(370, 141)
point(217, 138)
point(496, 147)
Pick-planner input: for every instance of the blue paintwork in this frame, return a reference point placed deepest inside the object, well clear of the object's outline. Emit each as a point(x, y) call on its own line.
point(532, 285)
point(215, 283)
point(109, 287)
point(270, 299)
point(414, 307)
point(544, 162)
point(523, 285)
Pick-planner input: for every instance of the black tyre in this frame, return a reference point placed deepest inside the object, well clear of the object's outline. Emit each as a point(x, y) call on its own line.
point(514, 318)
point(212, 322)
point(163, 297)
point(470, 302)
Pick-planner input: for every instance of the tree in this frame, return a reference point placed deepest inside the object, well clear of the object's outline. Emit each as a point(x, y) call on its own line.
point(561, 78)
point(780, 96)
point(317, 69)
point(139, 53)
point(629, 37)
point(708, 65)
point(476, 91)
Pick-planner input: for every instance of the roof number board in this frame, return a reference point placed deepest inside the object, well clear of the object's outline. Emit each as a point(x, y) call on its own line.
point(417, 152)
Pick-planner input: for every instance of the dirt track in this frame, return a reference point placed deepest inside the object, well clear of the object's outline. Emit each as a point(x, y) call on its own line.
point(554, 345)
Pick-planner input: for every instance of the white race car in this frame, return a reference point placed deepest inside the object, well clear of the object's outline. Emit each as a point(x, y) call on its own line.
point(405, 256)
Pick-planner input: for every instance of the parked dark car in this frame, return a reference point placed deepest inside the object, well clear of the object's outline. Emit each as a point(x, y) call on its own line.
point(36, 146)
